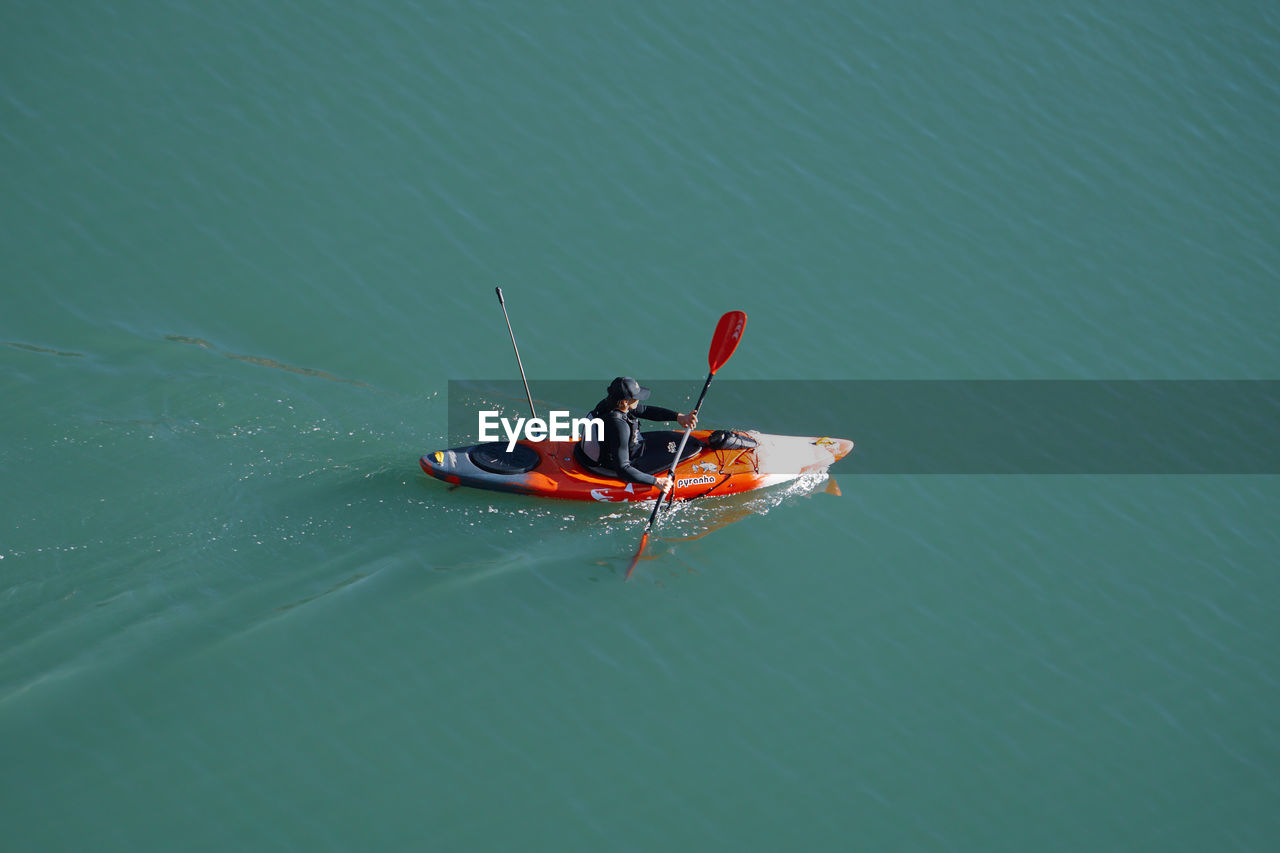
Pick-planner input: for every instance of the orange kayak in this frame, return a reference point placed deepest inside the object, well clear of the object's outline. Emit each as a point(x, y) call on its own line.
point(562, 469)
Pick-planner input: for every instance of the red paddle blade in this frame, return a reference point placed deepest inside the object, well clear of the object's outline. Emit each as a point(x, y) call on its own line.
point(725, 341)
point(644, 540)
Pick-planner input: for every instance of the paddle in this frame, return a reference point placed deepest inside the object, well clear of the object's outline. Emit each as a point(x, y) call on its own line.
point(725, 340)
point(519, 363)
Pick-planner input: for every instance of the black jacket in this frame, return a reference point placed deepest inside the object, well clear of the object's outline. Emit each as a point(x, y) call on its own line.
point(623, 443)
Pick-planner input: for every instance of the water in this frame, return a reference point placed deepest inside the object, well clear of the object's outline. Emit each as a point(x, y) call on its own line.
point(245, 249)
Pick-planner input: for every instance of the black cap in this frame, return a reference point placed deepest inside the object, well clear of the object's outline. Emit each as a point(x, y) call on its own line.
point(626, 388)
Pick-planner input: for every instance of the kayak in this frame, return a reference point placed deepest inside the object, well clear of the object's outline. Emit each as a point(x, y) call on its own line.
point(716, 462)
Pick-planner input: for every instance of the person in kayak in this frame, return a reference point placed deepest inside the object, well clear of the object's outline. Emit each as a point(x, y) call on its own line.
point(623, 442)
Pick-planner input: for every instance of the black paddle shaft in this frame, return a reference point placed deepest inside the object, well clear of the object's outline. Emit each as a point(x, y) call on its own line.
point(684, 439)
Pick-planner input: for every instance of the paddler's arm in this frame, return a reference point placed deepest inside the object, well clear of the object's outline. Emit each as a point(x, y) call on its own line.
point(658, 413)
point(618, 436)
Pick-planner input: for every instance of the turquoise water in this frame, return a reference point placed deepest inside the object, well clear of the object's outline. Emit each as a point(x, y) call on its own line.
point(243, 250)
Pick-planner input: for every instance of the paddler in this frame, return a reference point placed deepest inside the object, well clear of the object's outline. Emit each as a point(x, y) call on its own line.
point(623, 443)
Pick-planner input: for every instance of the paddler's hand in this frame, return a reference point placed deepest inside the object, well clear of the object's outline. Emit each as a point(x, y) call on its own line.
point(687, 421)
point(664, 483)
